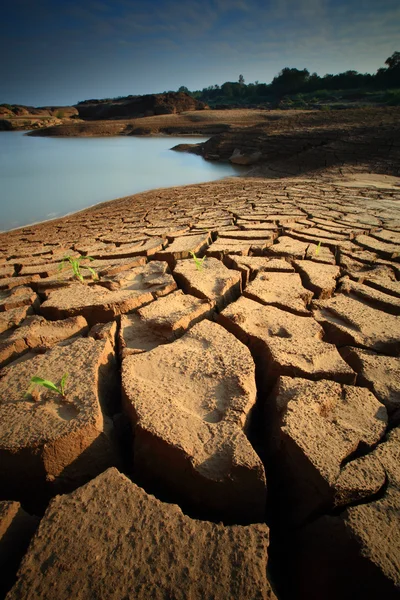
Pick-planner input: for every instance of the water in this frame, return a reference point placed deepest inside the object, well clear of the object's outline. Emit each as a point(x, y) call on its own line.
point(43, 178)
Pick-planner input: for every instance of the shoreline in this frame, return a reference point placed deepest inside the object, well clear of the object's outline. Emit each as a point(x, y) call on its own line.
point(104, 203)
point(299, 144)
point(139, 153)
point(361, 180)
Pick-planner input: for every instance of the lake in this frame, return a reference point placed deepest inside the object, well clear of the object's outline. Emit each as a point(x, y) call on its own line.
point(43, 178)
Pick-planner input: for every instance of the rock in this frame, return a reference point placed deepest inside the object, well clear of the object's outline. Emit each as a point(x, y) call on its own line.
point(319, 278)
point(157, 552)
point(35, 333)
point(192, 148)
point(238, 158)
point(16, 529)
point(213, 281)
point(161, 322)
point(6, 125)
point(50, 444)
point(350, 322)
point(283, 290)
point(128, 290)
point(321, 424)
point(189, 403)
point(381, 374)
point(283, 343)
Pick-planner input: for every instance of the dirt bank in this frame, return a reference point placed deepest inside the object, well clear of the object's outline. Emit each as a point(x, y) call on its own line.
point(278, 143)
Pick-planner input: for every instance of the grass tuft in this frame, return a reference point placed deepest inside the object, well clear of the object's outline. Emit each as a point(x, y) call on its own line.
point(75, 265)
point(197, 261)
point(35, 380)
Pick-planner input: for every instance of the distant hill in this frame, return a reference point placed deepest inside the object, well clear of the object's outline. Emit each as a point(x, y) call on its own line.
point(139, 106)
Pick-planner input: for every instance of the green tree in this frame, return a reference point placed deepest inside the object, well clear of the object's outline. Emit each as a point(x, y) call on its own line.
point(289, 81)
point(393, 61)
point(227, 89)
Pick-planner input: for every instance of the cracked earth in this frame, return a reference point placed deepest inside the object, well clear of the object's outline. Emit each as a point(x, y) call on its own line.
point(230, 430)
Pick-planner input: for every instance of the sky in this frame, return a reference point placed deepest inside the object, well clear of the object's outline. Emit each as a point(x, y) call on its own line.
point(56, 52)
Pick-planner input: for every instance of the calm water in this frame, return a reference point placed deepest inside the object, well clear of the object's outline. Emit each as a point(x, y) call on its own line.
point(43, 178)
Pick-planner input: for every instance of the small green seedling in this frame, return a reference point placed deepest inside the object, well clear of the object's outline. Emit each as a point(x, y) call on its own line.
point(48, 384)
point(318, 248)
point(75, 264)
point(197, 261)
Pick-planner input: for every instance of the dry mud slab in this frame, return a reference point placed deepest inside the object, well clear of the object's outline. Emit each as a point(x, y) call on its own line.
point(289, 403)
point(161, 322)
point(321, 425)
point(51, 443)
point(16, 530)
point(158, 551)
point(127, 290)
point(189, 403)
point(37, 334)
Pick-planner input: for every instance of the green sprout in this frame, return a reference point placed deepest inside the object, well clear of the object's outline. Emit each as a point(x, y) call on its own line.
point(75, 264)
point(48, 384)
point(318, 248)
point(198, 261)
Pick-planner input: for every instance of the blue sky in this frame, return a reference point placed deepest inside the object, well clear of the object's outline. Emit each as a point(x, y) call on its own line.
point(59, 52)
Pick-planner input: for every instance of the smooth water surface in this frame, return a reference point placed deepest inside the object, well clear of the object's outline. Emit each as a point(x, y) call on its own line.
point(43, 178)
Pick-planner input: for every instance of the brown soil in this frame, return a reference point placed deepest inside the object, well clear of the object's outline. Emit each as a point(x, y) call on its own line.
point(264, 377)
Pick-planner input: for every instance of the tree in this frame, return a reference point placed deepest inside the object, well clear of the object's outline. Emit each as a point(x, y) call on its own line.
point(183, 88)
point(263, 89)
point(227, 89)
point(390, 76)
point(289, 81)
point(241, 79)
point(393, 61)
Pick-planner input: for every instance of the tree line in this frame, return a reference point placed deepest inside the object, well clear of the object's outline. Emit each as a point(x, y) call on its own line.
point(291, 81)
